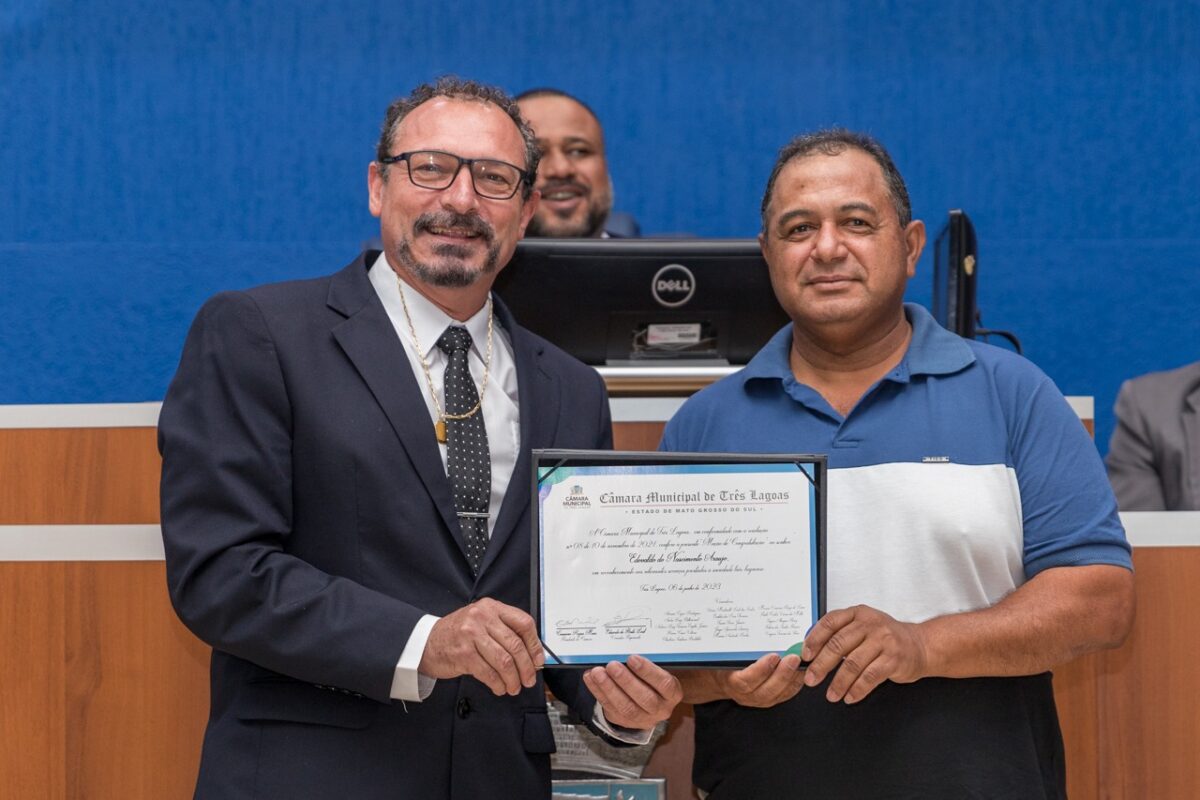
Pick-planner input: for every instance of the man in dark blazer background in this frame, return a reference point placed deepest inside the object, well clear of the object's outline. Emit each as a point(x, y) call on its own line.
point(370, 636)
point(1154, 453)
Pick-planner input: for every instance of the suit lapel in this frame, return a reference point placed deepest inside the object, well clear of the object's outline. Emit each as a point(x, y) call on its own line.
point(539, 404)
point(1191, 448)
point(369, 341)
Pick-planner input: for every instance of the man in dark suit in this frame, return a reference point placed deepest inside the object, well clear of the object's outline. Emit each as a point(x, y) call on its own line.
point(345, 495)
point(1154, 454)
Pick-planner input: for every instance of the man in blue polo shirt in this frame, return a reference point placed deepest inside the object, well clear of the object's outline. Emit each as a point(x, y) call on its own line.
point(973, 540)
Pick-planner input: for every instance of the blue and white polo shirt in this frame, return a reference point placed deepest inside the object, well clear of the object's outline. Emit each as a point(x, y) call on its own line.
point(956, 478)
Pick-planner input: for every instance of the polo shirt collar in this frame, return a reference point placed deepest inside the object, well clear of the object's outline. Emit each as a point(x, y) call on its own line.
point(772, 361)
point(933, 350)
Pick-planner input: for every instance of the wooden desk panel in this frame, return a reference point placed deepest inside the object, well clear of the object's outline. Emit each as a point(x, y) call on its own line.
point(106, 692)
point(33, 715)
point(637, 435)
point(1076, 691)
point(1149, 692)
point(137, 684)
point(83, 476)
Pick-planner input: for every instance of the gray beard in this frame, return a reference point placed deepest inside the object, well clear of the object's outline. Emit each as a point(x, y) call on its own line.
point(450, 271)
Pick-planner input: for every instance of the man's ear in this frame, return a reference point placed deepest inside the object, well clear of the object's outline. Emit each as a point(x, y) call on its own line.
point(528, 206)
point(375, 184)
point(914, 238)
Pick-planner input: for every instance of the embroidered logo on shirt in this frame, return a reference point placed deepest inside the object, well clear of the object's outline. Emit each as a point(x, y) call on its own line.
point(935, 459)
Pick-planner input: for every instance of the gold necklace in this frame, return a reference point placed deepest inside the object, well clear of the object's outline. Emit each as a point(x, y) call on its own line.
point(439, 427)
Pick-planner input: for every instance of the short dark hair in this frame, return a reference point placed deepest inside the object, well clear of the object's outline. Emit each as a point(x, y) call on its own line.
point(458, 89)
point(550, 91)
point(833, 142)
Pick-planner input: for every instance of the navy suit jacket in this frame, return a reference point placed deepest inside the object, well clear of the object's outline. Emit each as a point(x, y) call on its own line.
point(308, 524)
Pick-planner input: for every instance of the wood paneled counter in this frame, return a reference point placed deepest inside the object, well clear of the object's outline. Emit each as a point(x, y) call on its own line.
point(104, 694)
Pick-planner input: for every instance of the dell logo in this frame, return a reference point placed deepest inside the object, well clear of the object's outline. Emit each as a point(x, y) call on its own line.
point(673, 285)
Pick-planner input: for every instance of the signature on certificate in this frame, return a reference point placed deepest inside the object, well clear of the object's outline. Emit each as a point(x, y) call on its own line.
point(629, 623)
point(576, 629)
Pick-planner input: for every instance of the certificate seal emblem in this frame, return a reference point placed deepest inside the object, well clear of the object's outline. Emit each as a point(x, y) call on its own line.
point(576, 498)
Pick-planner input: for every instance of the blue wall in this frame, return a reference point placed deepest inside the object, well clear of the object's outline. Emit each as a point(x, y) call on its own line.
point(155, 151)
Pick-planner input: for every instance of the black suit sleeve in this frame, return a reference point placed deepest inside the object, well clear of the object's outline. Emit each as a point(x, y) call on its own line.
point(227, 507)
point(605, 427)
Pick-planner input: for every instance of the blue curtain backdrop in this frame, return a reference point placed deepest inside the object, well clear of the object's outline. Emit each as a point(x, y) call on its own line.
point(153, 152)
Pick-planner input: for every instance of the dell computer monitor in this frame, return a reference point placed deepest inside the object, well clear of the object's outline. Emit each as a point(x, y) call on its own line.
point(623, 302)
point(954, 273)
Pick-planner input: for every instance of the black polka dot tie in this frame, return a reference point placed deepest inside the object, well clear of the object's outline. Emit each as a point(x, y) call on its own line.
point(468, 462)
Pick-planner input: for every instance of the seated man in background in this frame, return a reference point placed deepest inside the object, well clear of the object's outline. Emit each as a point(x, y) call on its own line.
point(573, 177)
point(1154, 454)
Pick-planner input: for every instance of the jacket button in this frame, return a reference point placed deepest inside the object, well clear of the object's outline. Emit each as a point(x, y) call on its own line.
point(464, 708)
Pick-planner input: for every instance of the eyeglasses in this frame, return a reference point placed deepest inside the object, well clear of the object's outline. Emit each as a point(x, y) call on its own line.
point(434, 169)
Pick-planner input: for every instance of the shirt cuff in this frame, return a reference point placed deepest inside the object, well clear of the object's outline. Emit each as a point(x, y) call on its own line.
point(407, 683)
point(620, 732)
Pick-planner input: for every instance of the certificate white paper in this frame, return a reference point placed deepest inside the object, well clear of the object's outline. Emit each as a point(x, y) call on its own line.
point(685, 561)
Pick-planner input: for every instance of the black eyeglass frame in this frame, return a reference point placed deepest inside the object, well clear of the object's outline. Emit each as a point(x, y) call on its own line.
point(526, 178)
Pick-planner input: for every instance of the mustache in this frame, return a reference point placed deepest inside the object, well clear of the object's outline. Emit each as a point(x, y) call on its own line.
point(554, 184)
point(471, 223)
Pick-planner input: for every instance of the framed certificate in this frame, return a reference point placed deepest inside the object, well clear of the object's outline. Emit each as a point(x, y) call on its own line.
point(689, 559)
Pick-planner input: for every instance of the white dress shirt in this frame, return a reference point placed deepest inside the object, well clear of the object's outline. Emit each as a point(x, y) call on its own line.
point(501, 417)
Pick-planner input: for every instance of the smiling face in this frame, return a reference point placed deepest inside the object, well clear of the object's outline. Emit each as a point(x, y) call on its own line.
point(573, 174)
point(450, 238)
point(838, 256)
